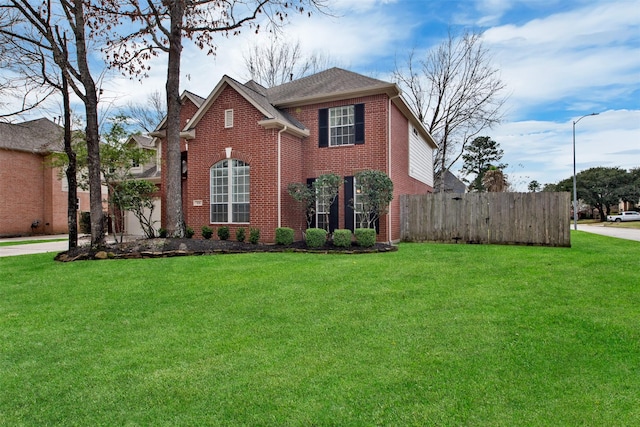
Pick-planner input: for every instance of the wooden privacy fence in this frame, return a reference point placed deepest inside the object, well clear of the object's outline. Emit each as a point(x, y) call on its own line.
point(500, 218)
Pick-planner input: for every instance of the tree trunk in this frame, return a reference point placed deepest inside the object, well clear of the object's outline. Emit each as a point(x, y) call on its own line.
point(72, 183)
point(175, 222)
point(92, 135)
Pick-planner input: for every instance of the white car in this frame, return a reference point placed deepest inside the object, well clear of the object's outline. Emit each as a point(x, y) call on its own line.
point(625, 216)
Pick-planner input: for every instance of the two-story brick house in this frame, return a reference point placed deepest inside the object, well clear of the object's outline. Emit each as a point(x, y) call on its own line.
point(246, 143)
point(33, 195)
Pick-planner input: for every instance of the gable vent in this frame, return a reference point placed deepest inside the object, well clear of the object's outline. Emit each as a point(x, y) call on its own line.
point(228, 118)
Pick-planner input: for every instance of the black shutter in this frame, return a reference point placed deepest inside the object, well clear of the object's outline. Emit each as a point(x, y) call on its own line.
point(359, 123)
point(313, 219)
point(348, 204)
point(333, 215)
point(323, 127)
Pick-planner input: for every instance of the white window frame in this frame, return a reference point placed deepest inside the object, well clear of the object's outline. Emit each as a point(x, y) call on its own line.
point(230, 192)
point(323, 213)
point(358, 216)
point(228, 118)
point(342, 128)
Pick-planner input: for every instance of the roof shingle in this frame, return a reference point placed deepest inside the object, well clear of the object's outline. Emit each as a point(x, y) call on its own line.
point(34, 136)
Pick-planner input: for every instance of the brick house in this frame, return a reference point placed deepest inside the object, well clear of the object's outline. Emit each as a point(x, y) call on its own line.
point(33, 195)
point(245, 143)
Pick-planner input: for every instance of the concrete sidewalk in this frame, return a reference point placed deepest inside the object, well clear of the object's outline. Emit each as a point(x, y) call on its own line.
point(619, 233)
point(38, 248)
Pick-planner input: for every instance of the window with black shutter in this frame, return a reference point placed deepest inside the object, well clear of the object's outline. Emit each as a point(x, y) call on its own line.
point(342, 125)
point(323, 127)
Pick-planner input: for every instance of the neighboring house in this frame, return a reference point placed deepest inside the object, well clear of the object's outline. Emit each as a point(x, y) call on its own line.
point(452, 184)
point(245, 143)
point(150, 171)
point(33, 195)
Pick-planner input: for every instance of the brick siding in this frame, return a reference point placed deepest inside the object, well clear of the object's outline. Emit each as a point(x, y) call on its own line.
point(29, 191)
point(301, 159)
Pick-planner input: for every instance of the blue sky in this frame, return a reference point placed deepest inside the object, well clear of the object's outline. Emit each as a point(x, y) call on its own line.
point(560, 60)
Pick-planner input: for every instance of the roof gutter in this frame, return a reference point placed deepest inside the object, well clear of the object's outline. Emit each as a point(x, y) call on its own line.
point(279, 124)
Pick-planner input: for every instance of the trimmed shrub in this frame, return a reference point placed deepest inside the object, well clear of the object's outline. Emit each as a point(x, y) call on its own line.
point(207, 232)
point(162, 233)
point(316, 237)
point(223, 232)
point(284, 236)
point(188, 232)
point(365, 237)
point(342, 238)
point(254, 235)
point(240, 235)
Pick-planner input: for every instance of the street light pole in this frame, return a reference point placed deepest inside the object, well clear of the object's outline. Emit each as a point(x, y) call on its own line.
point(575, 190)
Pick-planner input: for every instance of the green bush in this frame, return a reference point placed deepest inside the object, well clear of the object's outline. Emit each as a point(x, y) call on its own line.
point(365, 237)
point(316, 237)
point(342, 238)
point(254, 235)
point(189, 232)
point(240, 235)
point(207, 232)
point(223, 232)
point(162, 233)
point(284, 236)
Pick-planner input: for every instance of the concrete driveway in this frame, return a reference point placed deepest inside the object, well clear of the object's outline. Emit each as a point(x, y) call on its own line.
point(620, 233)
point(35, 248)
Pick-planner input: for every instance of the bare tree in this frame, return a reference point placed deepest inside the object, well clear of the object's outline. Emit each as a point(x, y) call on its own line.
point(282, 61)
point(162, 27)
point(45, 26)
point(25, 68)
point(455, 92)
point(148, 116)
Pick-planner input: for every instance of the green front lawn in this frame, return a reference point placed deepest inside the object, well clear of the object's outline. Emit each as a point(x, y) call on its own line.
point(428, 335)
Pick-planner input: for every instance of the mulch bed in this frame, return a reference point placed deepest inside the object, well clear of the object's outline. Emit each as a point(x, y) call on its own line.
point(161, 248)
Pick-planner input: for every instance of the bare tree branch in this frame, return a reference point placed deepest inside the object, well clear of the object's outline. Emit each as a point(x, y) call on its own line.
point(282, 61)
point(456, 94)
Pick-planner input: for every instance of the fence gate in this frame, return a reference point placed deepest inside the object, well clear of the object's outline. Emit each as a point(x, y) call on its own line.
point(501, 218)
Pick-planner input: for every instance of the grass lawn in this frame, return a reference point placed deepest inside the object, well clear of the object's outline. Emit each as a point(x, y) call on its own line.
point(428, 335)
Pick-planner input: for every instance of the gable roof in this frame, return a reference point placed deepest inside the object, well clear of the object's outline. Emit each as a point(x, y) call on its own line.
point(334, 83)
point(195, 99)
point(143, 141)
point(452, 184)
point(34, 136)
point(255, 95)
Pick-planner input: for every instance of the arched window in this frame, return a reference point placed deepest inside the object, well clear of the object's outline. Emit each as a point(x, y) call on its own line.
point(230, 191)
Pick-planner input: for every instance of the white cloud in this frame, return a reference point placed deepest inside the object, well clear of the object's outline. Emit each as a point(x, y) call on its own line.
point(568, 54)
point(543, 150)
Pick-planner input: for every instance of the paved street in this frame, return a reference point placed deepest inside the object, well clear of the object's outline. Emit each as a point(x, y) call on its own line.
point(620, 233)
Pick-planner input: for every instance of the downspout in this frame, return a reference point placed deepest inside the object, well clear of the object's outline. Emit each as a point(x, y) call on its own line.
point(280, 175)
point(389, 231)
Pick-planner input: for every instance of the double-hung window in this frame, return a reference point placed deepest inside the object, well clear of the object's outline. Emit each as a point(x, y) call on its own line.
point(359, 217)
point(341, 126)
point(323, 209)
point(230, 191)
